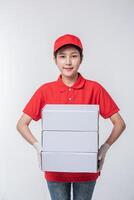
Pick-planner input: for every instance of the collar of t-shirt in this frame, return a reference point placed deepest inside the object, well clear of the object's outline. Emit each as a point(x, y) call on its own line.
point(79, 83)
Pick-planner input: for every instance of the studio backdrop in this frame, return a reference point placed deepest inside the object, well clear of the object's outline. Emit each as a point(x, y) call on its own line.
point(28, 30)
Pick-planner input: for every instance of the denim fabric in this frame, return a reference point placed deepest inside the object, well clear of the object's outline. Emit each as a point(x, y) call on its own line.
point(62, 190)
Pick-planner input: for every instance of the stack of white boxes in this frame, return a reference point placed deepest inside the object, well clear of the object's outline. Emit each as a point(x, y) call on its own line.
point(70, 137)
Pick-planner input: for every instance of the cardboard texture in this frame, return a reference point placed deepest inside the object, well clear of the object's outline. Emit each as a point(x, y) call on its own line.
point(70, 117)
point(72, 141)
point(69, 162)
point(70, 137)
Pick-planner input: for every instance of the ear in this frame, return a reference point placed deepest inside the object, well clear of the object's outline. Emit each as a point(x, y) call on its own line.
point(81, 59)
point(55, 60)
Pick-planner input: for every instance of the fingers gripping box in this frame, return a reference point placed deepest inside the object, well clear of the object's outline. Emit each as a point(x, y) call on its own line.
point(70, 137)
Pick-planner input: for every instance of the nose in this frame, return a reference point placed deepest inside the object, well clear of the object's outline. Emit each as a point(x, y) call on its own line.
point(68, 61)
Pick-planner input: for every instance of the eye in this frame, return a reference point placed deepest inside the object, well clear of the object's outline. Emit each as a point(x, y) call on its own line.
point(74, 56)
point(62, 56)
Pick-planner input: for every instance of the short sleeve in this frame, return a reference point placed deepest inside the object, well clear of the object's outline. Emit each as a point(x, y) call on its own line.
point(108, 107)
point(35, 104)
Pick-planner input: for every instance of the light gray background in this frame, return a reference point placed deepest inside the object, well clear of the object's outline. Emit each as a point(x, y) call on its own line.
point(27, 32)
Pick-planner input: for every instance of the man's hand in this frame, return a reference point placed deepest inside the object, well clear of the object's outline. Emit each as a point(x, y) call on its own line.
point(38, 148)
point(101, 155)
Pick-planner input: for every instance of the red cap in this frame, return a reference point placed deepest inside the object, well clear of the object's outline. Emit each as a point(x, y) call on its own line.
point(67, 39)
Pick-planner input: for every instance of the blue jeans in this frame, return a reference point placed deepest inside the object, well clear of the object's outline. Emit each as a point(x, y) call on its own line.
point(62, 190)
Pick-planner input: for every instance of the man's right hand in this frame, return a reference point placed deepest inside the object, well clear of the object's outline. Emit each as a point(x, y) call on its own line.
point(38, 148)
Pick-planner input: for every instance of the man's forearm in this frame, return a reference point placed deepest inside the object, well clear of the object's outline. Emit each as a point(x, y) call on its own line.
point(26, 133)
point(116, 132)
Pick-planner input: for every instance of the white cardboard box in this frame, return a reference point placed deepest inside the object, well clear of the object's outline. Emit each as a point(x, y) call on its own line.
point(70, 137)
point(69, 162)
point(75, 117)
point(72, 141)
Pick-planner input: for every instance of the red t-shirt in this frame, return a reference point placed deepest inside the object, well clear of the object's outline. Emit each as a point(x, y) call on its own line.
point(83, 91)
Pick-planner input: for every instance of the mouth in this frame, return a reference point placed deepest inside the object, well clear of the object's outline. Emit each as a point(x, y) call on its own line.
point(68, 68)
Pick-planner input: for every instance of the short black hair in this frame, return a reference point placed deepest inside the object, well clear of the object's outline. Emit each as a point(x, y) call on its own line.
point(78, 48)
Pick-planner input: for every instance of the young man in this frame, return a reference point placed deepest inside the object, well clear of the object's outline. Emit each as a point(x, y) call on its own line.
point(71, 88)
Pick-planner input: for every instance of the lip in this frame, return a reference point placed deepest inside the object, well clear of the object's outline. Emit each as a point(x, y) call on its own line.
point(67, 67)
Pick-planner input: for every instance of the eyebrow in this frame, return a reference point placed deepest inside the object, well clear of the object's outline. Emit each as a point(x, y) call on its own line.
point(65, 53)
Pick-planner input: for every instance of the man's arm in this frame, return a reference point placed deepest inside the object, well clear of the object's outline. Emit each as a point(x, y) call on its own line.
point(22, 127)
point(118, 127)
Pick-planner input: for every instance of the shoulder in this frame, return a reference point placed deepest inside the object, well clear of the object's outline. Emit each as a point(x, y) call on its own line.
point(46, 85)
point(94, 84)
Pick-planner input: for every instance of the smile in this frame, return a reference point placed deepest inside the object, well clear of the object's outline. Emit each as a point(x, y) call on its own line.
point(68, 68)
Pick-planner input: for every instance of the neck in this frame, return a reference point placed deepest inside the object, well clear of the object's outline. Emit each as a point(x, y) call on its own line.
point(69, 81)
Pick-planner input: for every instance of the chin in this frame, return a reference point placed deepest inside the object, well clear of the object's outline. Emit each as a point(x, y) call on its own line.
point(69, 75)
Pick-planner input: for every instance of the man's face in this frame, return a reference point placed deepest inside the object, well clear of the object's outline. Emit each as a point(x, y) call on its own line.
point(68, 61)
